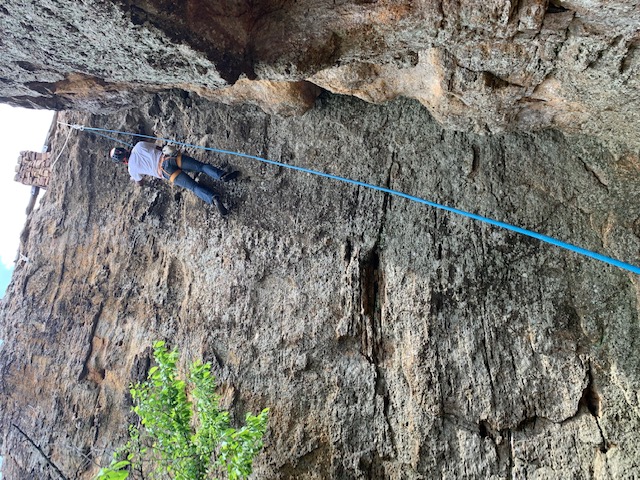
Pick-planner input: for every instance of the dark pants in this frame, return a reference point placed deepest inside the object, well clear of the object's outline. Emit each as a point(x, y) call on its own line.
point(183, 180)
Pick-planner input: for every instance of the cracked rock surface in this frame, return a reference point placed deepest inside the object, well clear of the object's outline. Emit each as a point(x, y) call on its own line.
point(477, 66)
point(389, 339)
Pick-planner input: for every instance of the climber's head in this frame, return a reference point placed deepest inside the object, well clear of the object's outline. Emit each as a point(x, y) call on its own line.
point(119, 155)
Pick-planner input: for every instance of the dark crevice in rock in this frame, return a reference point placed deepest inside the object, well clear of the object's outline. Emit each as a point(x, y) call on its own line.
point(85, 364)
point(592, 402)
point(372, 464)
point(484, 429)
point(475, 162)
point(348, 251)
point(501, 439)
point(43, 88)
point(210, 32)
point(555, 6)
point(527, 423)
point(6, 374)
point(371, 289)
point(370, 282)
point(494, 82)
point(371, 286)
point(30, 67)
point(591, 399)
point(140, 367)
point(629, 59)
point(597, 175)
point(309, 461)
point(138, 15)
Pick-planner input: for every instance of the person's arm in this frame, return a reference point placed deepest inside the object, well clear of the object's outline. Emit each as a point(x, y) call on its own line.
point(136, 177)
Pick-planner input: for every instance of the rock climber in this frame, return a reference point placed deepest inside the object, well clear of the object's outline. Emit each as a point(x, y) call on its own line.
point(145, 158)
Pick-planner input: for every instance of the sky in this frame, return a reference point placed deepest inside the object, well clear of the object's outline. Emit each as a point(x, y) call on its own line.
point(20, 129)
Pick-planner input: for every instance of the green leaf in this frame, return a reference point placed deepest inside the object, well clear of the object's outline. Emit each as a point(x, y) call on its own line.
point(179, 436)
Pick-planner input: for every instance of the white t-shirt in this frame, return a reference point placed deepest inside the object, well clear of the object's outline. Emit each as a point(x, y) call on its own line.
point(144, 160)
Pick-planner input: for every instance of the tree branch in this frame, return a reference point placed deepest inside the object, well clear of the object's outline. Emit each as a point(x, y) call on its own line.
point(44, 455)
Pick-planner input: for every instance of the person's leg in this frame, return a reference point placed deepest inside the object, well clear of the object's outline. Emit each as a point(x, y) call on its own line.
point(185, 181)
point(190, 164)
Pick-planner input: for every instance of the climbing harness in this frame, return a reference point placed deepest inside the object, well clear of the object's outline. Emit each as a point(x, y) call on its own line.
point(170, 176)
point(480, 218)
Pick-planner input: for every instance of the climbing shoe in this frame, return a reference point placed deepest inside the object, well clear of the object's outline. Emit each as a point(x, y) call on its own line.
point(227, 177)
point(221, 208)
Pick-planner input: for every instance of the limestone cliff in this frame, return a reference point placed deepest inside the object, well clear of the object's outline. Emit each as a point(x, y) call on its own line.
point(389, 339)
point(482, 66)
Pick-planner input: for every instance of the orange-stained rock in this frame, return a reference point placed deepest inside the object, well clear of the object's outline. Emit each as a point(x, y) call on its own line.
point(274, 97)
point(476, 65)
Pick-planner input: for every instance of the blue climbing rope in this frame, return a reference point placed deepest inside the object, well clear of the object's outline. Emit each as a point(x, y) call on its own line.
point(112, 138)
point(490, 221)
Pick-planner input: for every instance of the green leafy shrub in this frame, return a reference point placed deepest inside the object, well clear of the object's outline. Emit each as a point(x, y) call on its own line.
point(183, 439)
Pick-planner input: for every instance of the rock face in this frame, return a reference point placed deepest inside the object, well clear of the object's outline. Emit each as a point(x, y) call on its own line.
point(389, 339)
point(476, 65)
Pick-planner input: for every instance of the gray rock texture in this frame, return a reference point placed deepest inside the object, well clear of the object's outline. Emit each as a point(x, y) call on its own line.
point(389, 339)
point(477, 66)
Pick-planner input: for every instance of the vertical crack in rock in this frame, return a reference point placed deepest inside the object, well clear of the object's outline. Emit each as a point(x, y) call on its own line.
point(503, 443)
point(85, 364)
point(372, 286)
point(475, 162)
point(348, 251)
point(486, 345)
point(591, 401)
point(370, 303)
point(511, 454)
point(58, 283)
